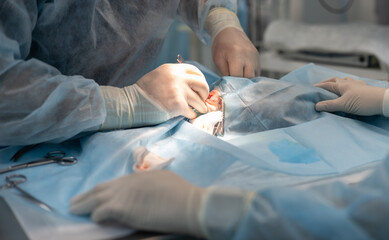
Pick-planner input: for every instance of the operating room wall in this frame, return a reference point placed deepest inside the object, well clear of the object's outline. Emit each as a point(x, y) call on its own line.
point(314, 12)
point(262, 12)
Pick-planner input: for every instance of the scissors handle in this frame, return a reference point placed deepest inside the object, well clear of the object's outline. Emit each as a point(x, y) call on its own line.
point(55, 154)
point(59, 160)
point(27, 165)
point(66, 161)
point(51, 157)
point(59, 157)
point(15, 179)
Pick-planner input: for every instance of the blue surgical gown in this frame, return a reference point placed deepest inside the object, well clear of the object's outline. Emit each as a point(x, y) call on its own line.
point(332, 210)
point(55, 53)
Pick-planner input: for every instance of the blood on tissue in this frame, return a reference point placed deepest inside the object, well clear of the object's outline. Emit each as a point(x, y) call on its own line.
point(210, 121)
point(213, 101)
point(143, 166)
point(144, 160)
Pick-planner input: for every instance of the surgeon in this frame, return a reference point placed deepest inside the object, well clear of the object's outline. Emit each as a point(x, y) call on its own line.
point(68, 67)
point(163, 201)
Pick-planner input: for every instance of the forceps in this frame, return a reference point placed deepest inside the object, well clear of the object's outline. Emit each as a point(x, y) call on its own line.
point(218, 129)
point(51, 157)
point(14, 180)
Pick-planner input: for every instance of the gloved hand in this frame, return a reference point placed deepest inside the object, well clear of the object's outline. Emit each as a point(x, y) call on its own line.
point(356, 97)
point(233, 53)
point(164, 93)
point(155, 201)
point(176, 87)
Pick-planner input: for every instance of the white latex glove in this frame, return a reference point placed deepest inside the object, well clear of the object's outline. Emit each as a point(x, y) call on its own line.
point(233, 53)
point(176, 87)
point(356, 97)
point(130, 107)
point(164, 93)
point(154, 201)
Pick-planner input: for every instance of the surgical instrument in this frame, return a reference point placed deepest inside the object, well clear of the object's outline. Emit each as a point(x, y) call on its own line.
point(14, 180)
point(22, 151)
point(180, 59)
point(219, 127)
point(51, 157)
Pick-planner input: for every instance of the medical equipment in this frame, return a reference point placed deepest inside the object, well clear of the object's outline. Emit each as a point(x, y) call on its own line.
point(219, 127)
point(180, 59)
point(22, 151)
point(14, 180)
point(325, 37)
point(208, 122)
point(213, 103)
point(212, 122)
point(51, 157)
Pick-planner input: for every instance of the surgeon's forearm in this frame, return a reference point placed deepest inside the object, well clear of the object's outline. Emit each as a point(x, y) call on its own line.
point(39, 104)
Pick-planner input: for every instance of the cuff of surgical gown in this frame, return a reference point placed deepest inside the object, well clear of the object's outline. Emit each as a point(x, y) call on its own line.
point(117, 107)
point(219, 19)
point(222, 210)
point(385, 104)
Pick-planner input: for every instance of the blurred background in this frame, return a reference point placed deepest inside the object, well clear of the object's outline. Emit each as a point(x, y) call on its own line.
point(324, 16)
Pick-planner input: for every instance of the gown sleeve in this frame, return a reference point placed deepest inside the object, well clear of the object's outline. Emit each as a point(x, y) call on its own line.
point(328, 211)
point(37, 102)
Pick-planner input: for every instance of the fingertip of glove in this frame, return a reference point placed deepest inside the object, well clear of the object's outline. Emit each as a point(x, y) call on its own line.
point(101, 214)
point(320, 106)
point(75, 199)
point(74, 209)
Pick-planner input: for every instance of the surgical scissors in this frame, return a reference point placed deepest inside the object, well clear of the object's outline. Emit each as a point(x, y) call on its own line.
point(51, 157)
point(14, 180)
